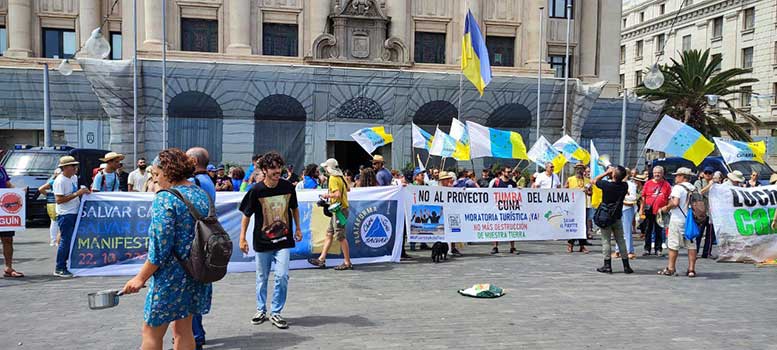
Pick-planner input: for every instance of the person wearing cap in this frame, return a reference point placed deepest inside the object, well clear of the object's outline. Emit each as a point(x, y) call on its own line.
point(211, 171)
point(655, 195)
point(381, 174)
point(418, 177)
point(703, 185)
point(68, 199)
point(337, 194)
point(51, 206)
point(734, 179)
point(107, 180)
point(678, 209)
point(223, 182)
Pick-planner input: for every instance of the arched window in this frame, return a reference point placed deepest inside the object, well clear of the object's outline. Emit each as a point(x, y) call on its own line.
point(196, 119)
point(510, 116)
point(360, 108)
point(279, 125)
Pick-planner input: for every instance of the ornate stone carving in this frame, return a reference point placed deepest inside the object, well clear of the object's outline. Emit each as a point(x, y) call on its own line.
point(360, 108)
point(358, 35)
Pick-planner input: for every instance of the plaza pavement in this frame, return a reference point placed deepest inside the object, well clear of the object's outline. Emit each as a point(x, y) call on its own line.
point(554, 300)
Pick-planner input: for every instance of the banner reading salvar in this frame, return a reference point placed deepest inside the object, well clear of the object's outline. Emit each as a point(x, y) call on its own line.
point(111, 235)
point(742, 220)
point(494, 214)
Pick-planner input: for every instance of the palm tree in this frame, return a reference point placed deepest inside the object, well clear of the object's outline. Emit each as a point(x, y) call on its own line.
point(686, 85)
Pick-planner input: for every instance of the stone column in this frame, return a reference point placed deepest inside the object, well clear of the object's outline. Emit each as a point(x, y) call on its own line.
point(19, 28)
point(316, 16)
point(399, 13)
point(152, 13)
point(239, 23)
point(588, 37)
point(88, 20)
point(609, 42)
point(530, 28)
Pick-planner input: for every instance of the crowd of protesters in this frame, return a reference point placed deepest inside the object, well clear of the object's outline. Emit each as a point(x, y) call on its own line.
point(636, 202)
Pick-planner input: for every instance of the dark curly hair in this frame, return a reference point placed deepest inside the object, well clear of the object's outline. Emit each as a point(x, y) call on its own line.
point(176, 165)
point(271, 160)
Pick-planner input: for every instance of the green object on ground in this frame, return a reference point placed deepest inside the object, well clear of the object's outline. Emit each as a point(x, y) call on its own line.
point(483, 291)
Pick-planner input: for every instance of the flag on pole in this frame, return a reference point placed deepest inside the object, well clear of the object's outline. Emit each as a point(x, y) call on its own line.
point(674, 137)
point(474, 55)
point(421, 138)
point(443, 145)
point(596, 170)
point(488, 142)
point(737, 151)
point(372, 138)
point(572, 150)
point(543, 152)
point(460, 134)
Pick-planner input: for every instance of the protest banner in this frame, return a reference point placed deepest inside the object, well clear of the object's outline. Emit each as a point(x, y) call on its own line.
point(12, 213)
point(494, 214)
point(110, 236)
point(742, 219)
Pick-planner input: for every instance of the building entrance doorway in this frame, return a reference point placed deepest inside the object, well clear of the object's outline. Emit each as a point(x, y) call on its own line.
point(350, 155)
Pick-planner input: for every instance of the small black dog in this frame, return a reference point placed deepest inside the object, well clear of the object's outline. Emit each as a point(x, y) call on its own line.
point(439, 250)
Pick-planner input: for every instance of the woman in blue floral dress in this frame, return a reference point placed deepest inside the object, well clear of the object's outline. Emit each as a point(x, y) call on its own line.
point(173, 295)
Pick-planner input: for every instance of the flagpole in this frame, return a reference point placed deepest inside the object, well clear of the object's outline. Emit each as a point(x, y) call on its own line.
point(566, 78)
point(539, 80)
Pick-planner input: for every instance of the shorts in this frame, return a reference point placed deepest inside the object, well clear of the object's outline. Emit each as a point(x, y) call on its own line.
point(51, 209)
point(7, 234)
point(589, 213)
point(676, 237)
point(336, 230)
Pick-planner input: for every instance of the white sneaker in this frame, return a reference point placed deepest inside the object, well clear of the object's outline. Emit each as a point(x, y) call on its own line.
point(664, 246)
point(52, 243)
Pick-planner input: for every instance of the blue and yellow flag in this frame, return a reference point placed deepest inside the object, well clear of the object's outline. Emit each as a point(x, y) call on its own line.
point(474, 55)
point(489, 142)
point(372, 138)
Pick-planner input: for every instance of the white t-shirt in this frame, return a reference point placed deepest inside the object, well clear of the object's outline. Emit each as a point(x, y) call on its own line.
point(65, 186)
point(631, 195)
point(545, 181)
point(680, 191)
point(138, 180)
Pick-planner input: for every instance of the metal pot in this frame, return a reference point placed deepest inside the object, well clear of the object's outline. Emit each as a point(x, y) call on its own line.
point(104, 299)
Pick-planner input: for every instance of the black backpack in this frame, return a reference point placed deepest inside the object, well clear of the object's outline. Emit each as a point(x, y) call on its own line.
point(211, 247)
point(606, 214)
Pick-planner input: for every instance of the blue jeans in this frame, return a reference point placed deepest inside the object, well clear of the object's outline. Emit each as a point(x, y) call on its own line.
point(197, 329)
point(67, 223)
point(264, 261)
point(628, 219)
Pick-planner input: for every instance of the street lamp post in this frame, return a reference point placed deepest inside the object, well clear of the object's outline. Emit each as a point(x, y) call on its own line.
point(628, 96)
point(539, 79)
point(46, 108)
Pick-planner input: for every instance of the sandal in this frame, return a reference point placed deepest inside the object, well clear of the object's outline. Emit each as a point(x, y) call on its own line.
point(667, 272)
point(570, 247)
point(343, 267)
point(12, 274)
point(584, 250)
point(690, 273)
point(321, 264)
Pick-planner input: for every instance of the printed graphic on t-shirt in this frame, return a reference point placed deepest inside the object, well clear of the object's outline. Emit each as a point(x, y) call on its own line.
point(275, 217)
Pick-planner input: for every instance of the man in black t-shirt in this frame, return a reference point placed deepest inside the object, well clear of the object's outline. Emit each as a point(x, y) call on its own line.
point(613, 193)
point(273, 204)
point(485, 178)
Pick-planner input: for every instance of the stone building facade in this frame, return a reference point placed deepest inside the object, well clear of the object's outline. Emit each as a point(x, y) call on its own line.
point(743, 32)
point(245, 76)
